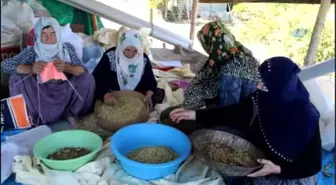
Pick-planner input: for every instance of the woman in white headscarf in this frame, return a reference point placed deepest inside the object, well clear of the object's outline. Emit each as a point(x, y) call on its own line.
point(48, 101)
point(125, 67)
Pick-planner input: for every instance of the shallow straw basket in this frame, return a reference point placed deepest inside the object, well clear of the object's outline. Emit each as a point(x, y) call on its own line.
point(202, 138)
point(185, 126)
point(90, 123)
point(113, 125)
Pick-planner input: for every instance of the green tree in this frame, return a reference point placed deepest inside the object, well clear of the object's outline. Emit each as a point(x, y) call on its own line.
point(158, 3)
point(273, 25)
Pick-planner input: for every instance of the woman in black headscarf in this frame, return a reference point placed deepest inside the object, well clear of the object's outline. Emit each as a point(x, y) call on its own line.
point(279, 119)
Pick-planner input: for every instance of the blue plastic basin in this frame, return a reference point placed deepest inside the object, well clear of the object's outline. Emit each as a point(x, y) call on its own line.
point(145, 135)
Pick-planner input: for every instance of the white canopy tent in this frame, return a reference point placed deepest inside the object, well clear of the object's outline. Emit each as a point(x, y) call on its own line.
point(115, 15)
point(91, 6)
point(112, 14)
point(307, 75)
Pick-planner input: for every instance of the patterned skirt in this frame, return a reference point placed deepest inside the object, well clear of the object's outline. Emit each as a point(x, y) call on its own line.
point(51, 101)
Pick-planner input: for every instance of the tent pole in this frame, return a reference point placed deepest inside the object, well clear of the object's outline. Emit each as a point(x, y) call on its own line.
point(94, 23)
point(120, 17)
point(317, 32)
point(317, 70)
point(193, 21)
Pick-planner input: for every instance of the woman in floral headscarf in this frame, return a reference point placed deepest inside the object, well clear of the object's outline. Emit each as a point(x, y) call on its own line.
point(230, 73)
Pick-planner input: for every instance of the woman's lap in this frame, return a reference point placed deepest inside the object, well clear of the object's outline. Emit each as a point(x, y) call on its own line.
point(54, 100)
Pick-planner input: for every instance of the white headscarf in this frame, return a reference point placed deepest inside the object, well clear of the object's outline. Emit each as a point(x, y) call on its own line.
point(49, 52)
point(129, 70)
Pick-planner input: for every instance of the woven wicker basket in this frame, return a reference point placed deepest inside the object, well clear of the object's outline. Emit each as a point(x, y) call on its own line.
point(113, 126)
point(202, 138)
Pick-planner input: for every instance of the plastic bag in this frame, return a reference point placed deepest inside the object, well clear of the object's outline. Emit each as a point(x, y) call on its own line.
point(29, 138)
point(11, 35)
point(325, 106)
point(92, 56)
point(88, 41)
point(8, 151)
point(328, 132)
point(106, 37)
point(317, 96)
point(21, 144)
point(73, 38)
point(21, 15)
point(147, 43)
point(38, 9)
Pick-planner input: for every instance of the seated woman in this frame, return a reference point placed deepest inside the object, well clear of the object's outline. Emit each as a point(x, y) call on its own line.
point(125, 67)
point(230, 73)
point(279, 119)
point(48, 102)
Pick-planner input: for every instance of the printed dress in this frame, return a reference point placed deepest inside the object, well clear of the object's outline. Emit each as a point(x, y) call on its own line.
point(231, 72)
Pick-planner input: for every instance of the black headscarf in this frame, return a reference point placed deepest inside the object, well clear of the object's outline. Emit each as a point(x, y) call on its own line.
point(287, 117)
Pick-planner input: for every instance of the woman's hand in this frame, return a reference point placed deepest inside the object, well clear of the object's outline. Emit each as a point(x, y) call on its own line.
point(180, 114)
point(38, 67)
point(109, 99)
point(268, 169)
point(148, 99)
point(60, 65)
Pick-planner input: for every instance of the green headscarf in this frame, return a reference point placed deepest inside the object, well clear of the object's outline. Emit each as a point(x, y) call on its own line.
point(226, 56)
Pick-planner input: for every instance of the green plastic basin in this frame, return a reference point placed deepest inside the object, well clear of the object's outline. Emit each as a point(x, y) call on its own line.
point(70, 138)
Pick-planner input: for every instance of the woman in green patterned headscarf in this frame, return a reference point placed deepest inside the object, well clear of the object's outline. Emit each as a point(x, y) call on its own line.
point(230, 73)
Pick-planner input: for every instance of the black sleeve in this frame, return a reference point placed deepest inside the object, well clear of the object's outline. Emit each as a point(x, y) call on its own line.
point(100, 74)
point(309, 163)
point(149, 78)
point(236, 116)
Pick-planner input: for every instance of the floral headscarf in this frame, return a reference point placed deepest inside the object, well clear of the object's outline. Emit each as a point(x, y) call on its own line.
point(221, 45)
point(226, 56)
